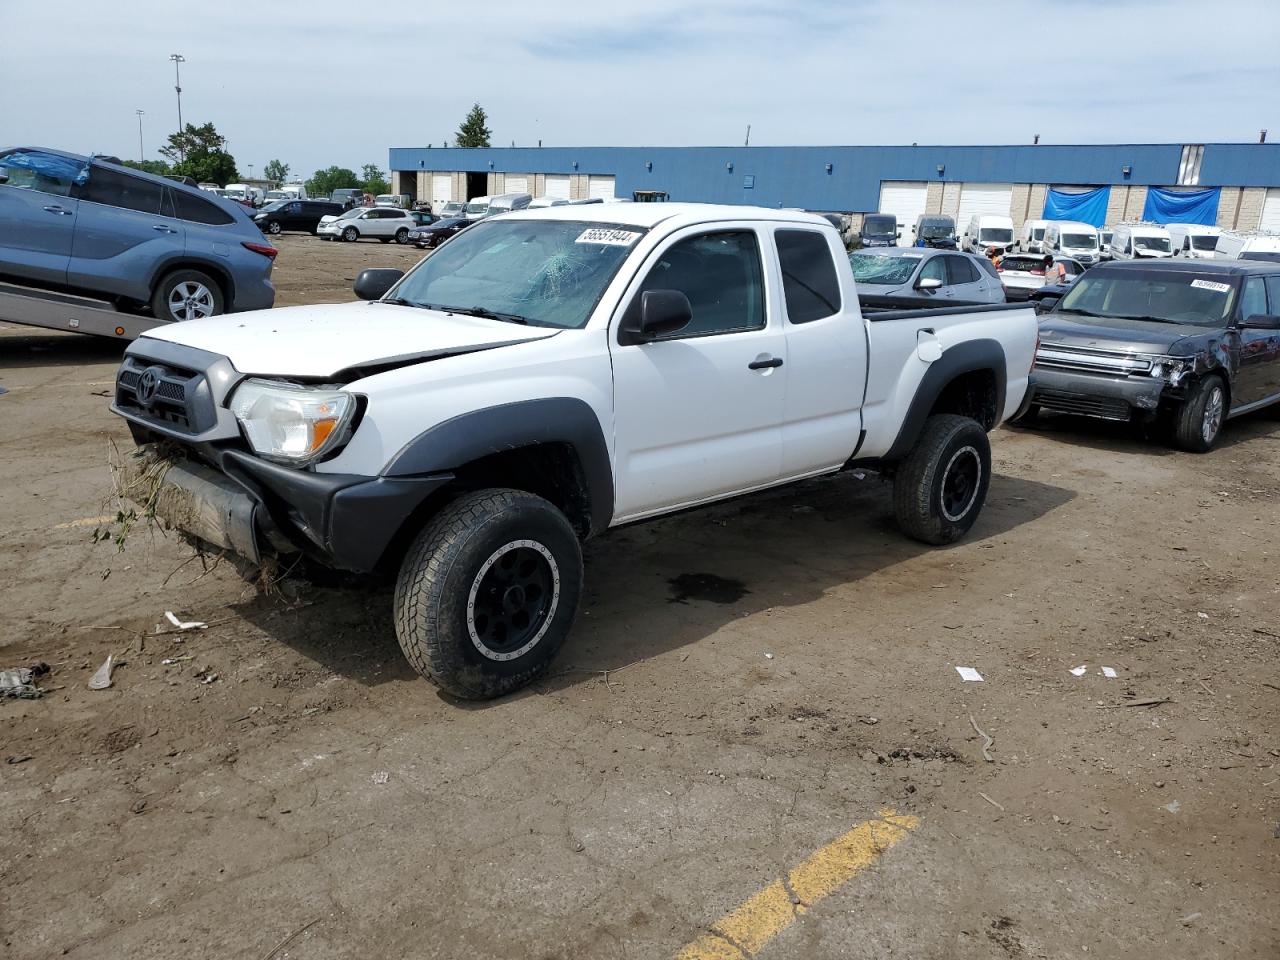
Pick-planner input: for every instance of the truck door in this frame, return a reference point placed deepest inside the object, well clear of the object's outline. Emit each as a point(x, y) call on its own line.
point(826, 353)
point(698, 413)
point(38, 214)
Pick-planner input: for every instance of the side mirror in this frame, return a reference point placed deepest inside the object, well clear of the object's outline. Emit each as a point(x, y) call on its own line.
point(661, 312)
point(1046, 304)
point(4, 175)
point(928, 283)
point(1262, 321)
point(373, 284)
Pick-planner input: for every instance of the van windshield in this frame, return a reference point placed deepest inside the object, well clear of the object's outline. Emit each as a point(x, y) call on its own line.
point(995, 235)
point(546, 273)
point(1155, 244)
point(1204, 242)
point(1037, 233)
point(1162, 295)
point(477, 208)
point(1080, 241)
point(936, 229)
point(879, 226)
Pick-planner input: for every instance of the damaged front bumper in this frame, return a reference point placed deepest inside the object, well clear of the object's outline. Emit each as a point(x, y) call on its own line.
point(1105, 396)
point(252, 508)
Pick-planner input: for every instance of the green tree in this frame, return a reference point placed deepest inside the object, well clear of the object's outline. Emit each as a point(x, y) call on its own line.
point(158, 167)
point(275, 170)
point(473, 132)
point(200, 153)
point(373, 180)
point(324, 182)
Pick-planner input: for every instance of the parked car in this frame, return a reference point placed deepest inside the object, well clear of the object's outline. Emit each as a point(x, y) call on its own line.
point(588, 368)
point(912, 277)
point(1032, 236)
point(83, 225)
point(451, 210)
point(1196, 241)
point(1024, 273)
point(1104, 243)
point(1236, 245)
point(477, 208)
point(1137, 241)
point(432, 235)
point(375, 223)
point(879, 230)
point(273, 196)
point(509, 202)
point(1067, 238)
point(348, 196)
point(402, 200)
point(1197, 342)
point(935, 230)
point(987, 232)
point(303, 215)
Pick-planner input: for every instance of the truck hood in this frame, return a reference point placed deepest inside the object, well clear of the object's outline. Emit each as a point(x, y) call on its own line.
point(1100, 333)
point(320, 341)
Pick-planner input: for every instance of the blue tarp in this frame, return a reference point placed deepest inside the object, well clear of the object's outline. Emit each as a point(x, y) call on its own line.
point(1089, 207)
point(1169, 206)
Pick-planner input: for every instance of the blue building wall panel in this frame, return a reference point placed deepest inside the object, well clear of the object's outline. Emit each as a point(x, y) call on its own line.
point(799, 176)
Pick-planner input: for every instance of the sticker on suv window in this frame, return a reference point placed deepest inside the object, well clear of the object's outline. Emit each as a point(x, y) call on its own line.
point(1213, 285)
point(608, 236)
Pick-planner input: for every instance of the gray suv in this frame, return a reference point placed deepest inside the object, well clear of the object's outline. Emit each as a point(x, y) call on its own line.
point(89, 226)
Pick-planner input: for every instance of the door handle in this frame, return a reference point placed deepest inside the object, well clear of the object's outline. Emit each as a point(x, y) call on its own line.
point(765, 364)
point(162, 228)
point(54, 208)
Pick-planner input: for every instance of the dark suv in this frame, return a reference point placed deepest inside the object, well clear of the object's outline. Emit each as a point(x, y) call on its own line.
point(303, 215)
point(88, 226)
point(1195, 342)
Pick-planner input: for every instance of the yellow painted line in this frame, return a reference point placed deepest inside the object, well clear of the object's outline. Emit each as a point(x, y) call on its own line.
point(744, 932)
point(86, 522)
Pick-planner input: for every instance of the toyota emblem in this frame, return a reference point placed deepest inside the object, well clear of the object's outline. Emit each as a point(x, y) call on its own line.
point(148, 385)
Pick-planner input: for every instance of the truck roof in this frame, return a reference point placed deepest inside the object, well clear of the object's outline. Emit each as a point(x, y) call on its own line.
point(651, 214)
point(1230, 268)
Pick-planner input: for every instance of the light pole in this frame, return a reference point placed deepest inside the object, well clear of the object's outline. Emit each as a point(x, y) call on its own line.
point(178, 58)
point(141, 153)
point(251, 171)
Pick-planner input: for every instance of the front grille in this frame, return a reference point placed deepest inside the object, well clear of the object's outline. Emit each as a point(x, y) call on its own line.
point(1115, 362)
point(176, 400)
point(1058, 401)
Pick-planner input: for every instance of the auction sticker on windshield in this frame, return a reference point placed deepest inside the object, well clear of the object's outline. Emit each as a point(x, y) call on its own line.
point(608, 236)
point(1213, 285)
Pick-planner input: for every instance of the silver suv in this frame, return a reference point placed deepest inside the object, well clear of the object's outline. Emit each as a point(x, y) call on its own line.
point(86, 225)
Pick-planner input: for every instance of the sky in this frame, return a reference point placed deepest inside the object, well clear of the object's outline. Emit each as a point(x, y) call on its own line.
point(321, 82)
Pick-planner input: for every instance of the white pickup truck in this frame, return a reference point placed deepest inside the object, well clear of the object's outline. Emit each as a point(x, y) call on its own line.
point(544, 376)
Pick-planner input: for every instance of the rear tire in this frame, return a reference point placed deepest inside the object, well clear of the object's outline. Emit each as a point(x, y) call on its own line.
point(402, 236)
point(488, 592)
point(941, 486)
point(1198, 422)
point(186, 295)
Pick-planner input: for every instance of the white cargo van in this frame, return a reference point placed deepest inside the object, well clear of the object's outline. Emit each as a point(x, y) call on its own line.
point(1135, 241)
point(1032, 236)
point(1104, 243)
point(1193, 240)
point(985, 231)
point(477, 208)
point(1068, 238)
point(1234, 244)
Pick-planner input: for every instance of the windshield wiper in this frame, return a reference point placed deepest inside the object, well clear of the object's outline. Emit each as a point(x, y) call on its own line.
point(1147, 319)
point(400, 302)
point(487, 314)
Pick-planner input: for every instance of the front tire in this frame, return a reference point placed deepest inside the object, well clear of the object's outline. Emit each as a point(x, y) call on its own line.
point(940, 487)
point(1199, 420)
point(488, 592)
point(274, 228)
point(186, 295)
point(351, 235)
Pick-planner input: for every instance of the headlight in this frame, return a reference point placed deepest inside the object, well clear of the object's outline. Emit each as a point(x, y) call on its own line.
point(291, 424)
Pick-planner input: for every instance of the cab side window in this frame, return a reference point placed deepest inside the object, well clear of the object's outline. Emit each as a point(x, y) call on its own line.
point(722, 276)
point(43, 172)
point(809, 283)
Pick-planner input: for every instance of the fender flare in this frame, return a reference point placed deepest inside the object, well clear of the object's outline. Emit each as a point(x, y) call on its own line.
point(480, 433)
point(967, 357)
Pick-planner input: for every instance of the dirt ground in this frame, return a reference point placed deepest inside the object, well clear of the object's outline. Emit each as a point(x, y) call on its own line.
point(289, 775)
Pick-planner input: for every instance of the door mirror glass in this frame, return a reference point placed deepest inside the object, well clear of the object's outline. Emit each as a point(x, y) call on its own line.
point(928, 283)
point(373, 284)
point(1262, 321)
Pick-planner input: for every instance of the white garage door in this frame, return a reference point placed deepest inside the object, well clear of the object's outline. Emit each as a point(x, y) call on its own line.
point(517, 184)
point(1270, 212)
point(441, 188)
point(558, 186)
point(601, 187)
point(906, 201)
point(983, 199)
